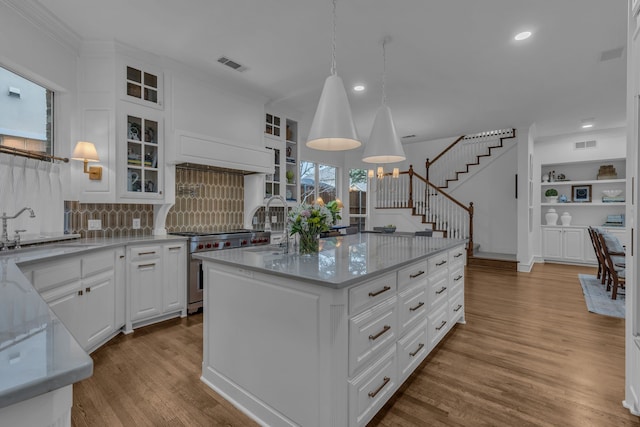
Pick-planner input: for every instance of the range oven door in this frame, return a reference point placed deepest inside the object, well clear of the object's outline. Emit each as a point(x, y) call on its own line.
point(194, 296)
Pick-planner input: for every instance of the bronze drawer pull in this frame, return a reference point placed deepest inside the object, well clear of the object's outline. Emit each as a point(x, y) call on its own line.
point(444, 288)
point(147, 265)
point(458, 255)
point(376, 336)
point(458, 307)
point(173, 248)
point(419, 273)
point(372, 394)
point(417, 351)
point(444, 322)
point(121, 256)
point(457, 278)
point(420, 304)
point(383, 290)
point(80, 292)
point(146, 253)
point(438, 264)
point(87, 290)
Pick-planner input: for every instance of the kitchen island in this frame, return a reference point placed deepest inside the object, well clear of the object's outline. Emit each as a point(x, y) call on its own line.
point(325, 340)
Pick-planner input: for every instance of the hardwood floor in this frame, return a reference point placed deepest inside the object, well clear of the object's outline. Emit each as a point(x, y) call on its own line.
point(529, 354)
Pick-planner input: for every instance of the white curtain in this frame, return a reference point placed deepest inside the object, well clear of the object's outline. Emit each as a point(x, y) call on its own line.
point(35, 184)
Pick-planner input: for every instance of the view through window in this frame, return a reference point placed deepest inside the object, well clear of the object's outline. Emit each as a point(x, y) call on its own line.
point(358, 198)
point(26, 114)
point(326, 177)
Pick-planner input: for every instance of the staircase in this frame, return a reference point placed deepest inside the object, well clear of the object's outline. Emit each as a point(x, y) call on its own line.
point(426, 198)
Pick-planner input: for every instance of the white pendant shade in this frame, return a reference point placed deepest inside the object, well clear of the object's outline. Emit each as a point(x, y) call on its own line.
point(384, 145)
point(332, 128)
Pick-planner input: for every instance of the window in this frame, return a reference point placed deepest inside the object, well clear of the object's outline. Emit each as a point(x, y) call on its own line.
point(26, 114)
point(358, 198)
point(324, 175)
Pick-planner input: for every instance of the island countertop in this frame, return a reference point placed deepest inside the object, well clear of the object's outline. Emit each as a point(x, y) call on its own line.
point(341, 262)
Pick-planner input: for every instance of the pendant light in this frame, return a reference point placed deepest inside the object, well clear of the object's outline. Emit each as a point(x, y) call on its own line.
point(384, 145)
point(332, 128)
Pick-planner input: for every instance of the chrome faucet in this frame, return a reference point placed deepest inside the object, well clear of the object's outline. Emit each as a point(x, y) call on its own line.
point(267, 221)
point(5, 237)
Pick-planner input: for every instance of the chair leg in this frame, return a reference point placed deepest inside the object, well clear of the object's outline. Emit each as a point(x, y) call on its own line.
point(614, 289)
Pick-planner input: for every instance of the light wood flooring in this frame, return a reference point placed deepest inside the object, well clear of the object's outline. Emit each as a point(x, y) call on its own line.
point(530, 354)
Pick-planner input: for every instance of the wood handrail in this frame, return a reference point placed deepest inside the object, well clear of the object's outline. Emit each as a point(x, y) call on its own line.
point(453, 144)
point(426, 181)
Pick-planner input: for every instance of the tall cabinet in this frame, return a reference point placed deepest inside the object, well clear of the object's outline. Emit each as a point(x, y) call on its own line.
point(281, 136)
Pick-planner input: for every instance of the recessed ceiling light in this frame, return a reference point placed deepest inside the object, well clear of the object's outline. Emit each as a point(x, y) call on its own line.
point(358, 88)
point(587, 123)
point(523, 35)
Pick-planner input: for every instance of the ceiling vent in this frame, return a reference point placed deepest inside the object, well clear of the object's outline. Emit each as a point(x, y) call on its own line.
point(231, 64)
point(611, 54)
point(585, 145)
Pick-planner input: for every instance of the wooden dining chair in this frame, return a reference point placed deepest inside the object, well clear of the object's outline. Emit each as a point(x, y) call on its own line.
point(599, 256)
point(615, 270)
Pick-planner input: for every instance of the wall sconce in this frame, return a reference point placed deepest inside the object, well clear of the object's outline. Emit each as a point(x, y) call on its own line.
point(380, 172)
point(396, 173)
point(370, 173)
point(86, 152)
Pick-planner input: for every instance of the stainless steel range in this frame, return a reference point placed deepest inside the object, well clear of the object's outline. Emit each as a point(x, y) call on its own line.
point(200, 241)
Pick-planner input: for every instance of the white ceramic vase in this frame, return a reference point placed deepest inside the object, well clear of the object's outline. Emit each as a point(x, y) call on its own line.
point(565, 218)
point(551, 216)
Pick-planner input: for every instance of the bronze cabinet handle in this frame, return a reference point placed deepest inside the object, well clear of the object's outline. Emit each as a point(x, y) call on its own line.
point(383, 290)
point(419, 273)
point(420, 304)
point(373, 394)
point(173, 248)
point(147, 265)
point(87, 290)
point(458, 255)
point(457, 278)
point(147, 253)
point(438, 264)
point(444, 288)
point(444, 322)
point(458, 307)
point(417, 351)
point(80, 292)
point(379, 334)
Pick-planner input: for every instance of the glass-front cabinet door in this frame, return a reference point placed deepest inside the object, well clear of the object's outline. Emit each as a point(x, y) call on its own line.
point(142, 177)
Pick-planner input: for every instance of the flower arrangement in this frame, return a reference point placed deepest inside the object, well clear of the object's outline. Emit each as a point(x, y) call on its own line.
point(309, 221)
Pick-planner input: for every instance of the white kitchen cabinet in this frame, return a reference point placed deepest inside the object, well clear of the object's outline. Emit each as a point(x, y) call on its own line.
point(157, 283)
point(81, 291)
point(141, 155)
point(561, 243)
point(174, 264)
point(142, 84)
point(281, 138)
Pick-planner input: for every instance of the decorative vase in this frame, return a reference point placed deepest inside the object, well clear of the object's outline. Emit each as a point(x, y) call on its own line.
point(565, 218)
point(552, 199)
point(551, 216)
point(309, 243)
point(545, 178)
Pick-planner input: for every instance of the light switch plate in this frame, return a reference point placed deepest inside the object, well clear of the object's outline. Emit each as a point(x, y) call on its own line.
point(136, 223)
point(95, 224)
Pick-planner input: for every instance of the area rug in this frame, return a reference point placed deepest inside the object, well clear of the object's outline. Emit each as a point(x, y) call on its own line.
point(598, 299)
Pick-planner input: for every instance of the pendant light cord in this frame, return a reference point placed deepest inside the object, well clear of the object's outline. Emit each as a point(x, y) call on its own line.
point(333, 42)
point(384, 71)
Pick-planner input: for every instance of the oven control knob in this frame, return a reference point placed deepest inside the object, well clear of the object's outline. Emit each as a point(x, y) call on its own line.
point(254, 240)
point(227, 243)
point(200, 246)
point(265, 240)
point(216, 244)
point(208, 245)
point(244, 242)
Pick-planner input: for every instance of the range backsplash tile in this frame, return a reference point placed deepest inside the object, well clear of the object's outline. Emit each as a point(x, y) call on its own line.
point(207, 200)
point(117, 219)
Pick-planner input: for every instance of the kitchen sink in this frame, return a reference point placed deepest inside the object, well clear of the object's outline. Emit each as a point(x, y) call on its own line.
point(274, 249)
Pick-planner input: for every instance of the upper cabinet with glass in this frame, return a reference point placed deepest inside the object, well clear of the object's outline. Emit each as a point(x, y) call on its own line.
point(281, 136)
point(143, 86)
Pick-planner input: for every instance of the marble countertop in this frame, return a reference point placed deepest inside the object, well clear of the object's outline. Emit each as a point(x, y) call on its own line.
point(342, 261)
point(37, 353)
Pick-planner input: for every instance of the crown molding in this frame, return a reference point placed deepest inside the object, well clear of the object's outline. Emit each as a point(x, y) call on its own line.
point(36, 14)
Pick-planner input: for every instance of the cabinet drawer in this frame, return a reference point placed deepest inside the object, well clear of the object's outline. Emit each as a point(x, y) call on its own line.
point(97, 262)
point(437, 290)
point(412, 307)
point(456, 306)
point(369, 391)
point(456, 279)
point(371, 293)
point(438, 324)
point(412, 349)
point(371, 332)
point(145, 252)
point(438, 262)
point(51, 275)
point(408, 276)
point(458, 255)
